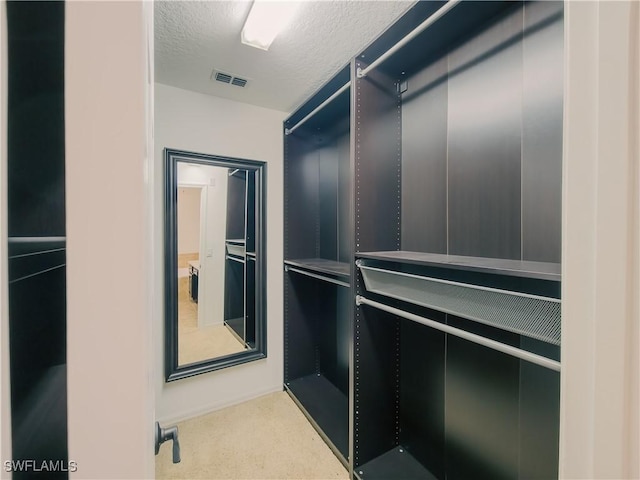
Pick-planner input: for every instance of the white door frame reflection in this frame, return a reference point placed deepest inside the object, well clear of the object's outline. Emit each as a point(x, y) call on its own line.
point(214, 229)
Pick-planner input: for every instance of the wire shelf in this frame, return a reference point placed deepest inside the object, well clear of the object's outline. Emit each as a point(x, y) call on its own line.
point(530, 315)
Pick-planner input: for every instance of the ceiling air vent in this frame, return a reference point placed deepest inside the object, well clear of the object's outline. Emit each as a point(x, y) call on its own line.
point(229, 79)
point(223, 77)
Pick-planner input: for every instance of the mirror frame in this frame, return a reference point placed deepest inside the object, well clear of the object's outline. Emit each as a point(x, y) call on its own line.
point(173, 371)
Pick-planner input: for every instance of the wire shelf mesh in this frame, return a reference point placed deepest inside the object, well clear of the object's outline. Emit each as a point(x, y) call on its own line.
point(533, 316)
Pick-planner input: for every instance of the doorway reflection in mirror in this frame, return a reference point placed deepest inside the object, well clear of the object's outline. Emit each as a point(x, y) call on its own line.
point(205, 207)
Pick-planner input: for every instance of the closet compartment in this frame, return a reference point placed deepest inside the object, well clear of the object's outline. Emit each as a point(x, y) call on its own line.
point(317, 181)
point(234, 288)
point(442, 396)
point(317, 338)
point(240, 256)
point(457, 177)
point(460, 133)
point(317, 260)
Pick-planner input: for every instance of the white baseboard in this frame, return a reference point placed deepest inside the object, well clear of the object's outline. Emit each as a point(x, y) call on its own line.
point(212, 407)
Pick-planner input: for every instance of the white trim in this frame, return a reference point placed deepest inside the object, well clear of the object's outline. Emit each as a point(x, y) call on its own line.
point(599, 379)
point(5, 402)
point(214, 406)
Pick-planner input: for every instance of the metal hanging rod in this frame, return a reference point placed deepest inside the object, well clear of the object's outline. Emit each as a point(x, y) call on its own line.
point(39, 252)
point(37, 273)
point(235, 259)
point(36, 239)
point(289, 131)
point(287, 268)
point(362, 72)
point(472, 337)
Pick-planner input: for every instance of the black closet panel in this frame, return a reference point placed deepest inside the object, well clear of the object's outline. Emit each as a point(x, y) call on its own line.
point(234, 295)
point(343, 338)
point(422, 400)
point(250, 302)
point(542, 131)
point(328, 170)
point(302, 313)
point(236, 204)
point(424, 161)
point(333, 347)
point(482, 413)
point(485, 96)
point(251, 212)
point(344, 198)
point(377, 362)
point(35, 141)
point(378, 171)
point(37, 309)
point(539, 417)
point(301, 200)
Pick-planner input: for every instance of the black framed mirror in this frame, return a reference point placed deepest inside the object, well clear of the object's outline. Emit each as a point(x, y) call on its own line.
point(215, 262)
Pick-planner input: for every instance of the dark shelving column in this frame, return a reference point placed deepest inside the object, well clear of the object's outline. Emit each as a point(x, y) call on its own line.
point(457, 175)
point(318, 262)
point(235, 283)
point(36, 229)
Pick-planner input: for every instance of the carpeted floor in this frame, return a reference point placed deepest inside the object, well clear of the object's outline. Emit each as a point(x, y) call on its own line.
point(265, 438)
point(197, 344)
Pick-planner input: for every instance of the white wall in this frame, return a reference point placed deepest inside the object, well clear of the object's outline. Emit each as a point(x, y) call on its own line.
point(109, 272)
point(212, 224)
point(188, 220)
point(205, 124)
point(601, 254)
point(212, 256)
point(5, 410)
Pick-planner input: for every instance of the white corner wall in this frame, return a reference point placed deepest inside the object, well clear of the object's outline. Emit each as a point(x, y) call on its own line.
point(205, 124)
point(107, 120)
point(600, 407)
point(189, 220)
point(5, 407)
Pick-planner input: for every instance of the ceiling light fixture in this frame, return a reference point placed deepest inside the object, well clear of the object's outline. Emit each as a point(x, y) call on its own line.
point(266, 19)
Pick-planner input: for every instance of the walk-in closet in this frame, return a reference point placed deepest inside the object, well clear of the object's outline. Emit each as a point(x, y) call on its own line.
point(432, 175)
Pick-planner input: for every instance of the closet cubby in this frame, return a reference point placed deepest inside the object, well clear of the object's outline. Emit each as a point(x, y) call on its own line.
point(36, 243)
point(317, 260)
point(235, 256)
point(457, 186)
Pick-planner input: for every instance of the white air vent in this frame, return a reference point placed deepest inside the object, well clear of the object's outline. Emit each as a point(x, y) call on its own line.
point(228, 78)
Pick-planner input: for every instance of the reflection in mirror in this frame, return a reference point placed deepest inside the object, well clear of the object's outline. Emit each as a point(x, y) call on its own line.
point(214, 266)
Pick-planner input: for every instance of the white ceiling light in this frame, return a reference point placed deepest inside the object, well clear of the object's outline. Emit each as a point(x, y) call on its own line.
point(266, 19)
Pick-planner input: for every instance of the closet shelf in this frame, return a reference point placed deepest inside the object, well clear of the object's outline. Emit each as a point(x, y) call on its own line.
point(396, 463)
point(530, 315)
point(321, 265)
point(497, 266)
point(326, 406)
point(236, 250)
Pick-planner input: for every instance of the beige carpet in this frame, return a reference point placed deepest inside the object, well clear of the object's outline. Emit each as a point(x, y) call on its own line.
point(265, 438)
point(197, 344)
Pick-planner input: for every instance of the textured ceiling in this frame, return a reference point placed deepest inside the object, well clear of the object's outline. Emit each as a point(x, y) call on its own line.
point(194, 38)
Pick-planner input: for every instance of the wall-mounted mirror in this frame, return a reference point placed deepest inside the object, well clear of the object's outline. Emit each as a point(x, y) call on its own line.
point(214, 263)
